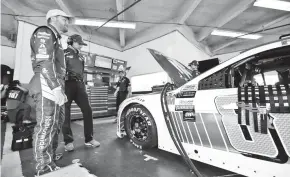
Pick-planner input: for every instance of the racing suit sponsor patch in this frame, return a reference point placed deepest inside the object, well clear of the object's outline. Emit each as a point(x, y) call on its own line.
point(44, 132)
point(44, 70)
point(42, 56)
point(44, 33)
point(42, 37)
point(42, 51)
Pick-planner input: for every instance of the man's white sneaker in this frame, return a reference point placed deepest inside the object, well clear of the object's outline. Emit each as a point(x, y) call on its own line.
point(69, 147)
point(93, 143)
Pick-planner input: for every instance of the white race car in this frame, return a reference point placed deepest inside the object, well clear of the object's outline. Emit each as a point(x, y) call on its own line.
point(235, 116)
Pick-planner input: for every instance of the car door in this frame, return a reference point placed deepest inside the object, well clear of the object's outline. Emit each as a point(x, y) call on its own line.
point(249, 118)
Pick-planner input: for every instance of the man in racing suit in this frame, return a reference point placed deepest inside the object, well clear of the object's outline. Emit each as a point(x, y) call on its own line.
point(47, 88)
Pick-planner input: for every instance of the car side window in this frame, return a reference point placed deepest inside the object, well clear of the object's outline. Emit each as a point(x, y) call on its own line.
point(261, 70)
point(267, 78)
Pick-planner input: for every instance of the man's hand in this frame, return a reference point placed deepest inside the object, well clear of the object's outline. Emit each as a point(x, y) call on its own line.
point(60, 97)
point(5, 87)
point(129, 95)
point(116, 92)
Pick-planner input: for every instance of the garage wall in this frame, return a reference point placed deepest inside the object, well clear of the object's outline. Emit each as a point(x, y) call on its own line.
point(23, 68)
point(8, 56)
point(142, 62)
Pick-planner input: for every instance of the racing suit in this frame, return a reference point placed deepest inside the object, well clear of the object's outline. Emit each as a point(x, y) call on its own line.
point(49, 72)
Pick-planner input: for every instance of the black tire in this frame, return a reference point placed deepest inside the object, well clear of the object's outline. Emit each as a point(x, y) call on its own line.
point(138, 113)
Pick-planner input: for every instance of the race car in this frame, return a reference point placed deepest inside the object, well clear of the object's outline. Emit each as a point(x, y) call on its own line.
point(235, 116)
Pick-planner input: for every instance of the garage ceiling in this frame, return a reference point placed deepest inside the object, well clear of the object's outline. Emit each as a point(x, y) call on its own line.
point(194, 19)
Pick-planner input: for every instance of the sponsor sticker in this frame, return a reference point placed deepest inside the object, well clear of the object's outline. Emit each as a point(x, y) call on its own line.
point(189, 115)
point(184, 107)
point(186, 94)
point(185, 101)
point(189, 88)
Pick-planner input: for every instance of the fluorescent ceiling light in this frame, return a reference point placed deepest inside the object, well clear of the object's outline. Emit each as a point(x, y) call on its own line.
point(273, 4)
point(111, 24)
point(234, 34)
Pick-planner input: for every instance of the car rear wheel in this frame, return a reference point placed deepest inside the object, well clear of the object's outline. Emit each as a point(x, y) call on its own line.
point(140, 127)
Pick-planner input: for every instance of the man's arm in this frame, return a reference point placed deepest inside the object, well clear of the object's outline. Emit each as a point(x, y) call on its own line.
point(23, 89)
point(117, 88)
point(4, 91)
point(129, 89)
point(43, 45)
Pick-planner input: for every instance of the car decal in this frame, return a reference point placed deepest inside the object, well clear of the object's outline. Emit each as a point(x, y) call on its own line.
point(207, 131)
point(260, 144)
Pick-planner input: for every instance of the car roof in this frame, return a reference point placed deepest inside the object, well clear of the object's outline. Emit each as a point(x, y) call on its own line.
point(246, 54)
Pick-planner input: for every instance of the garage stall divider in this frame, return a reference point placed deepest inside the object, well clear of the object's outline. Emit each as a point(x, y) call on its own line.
point(102, 100)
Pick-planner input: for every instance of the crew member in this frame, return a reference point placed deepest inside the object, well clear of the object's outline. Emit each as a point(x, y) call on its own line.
point(16, 100)
point(75, 89)
point(47, 88)
point(123, 89)
point(194, 67)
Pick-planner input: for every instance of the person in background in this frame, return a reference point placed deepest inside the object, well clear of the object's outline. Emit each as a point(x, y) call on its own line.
point(123, 90)
point(5, 80)
point(16, 100)
point(47, 89)
point(75, 89)
point(194, 67)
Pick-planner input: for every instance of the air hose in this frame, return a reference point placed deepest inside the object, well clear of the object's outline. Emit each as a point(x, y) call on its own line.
point(173, 131)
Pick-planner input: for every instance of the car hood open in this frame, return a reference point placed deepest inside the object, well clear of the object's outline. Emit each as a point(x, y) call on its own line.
point(178, 73)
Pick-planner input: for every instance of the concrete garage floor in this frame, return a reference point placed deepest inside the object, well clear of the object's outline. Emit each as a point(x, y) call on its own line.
point(119, 158)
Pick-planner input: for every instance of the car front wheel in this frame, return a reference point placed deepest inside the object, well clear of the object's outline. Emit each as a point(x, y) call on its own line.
point(140, 127)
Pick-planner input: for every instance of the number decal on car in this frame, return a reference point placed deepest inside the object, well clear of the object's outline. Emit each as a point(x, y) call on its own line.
point(243, 137)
